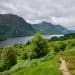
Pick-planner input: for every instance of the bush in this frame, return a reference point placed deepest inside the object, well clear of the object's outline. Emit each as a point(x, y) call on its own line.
point(38, 47)
point(62, 46)
point(9, 58)
point(59, 47)
point(24, 56)
point(2, 67)
point(28, 43)
point(30, 51)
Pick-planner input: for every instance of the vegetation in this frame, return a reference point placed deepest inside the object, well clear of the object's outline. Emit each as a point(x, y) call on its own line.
point(38, 47)
point(8, 59)
point(37, 57)
point(62, 38)
point(2, 37)
point(69, 56)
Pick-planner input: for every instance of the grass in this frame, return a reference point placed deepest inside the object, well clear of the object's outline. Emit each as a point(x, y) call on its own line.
point(43, 68)
point(47, 65)
point(69, 56)
point(35, 67)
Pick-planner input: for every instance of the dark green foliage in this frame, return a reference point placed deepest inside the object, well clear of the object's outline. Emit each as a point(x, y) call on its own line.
point(65, 37)
point(28, 43)
point(59, 47)
point(2, 37)
point(32, 51)
point(0, 52)
point(38, 47)
point(8, 58)
point(2, 66)
point(24, 56)
point(71, 35)
point(62, 46)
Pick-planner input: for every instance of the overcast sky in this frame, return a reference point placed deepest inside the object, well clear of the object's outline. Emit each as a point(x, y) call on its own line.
point(34, 11)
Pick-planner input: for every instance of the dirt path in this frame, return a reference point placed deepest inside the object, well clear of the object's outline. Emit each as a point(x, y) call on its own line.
point(63, 67)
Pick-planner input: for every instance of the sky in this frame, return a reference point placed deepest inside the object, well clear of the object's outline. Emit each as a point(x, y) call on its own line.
point(35, 11)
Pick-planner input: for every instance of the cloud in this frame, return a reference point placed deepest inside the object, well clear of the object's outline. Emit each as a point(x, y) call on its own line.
point(34, 11)
point(7, 8)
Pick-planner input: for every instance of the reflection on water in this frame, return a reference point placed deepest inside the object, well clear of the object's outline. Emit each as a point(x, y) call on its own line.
point(21, 40)
point(12, 41)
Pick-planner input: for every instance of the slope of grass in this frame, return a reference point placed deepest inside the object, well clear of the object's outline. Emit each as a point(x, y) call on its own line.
point(35, 67)
point(43, 68)
point(48, 64)
point(69, 56)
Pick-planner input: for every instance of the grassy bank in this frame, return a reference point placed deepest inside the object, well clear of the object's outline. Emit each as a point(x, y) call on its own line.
point(69, 57)
point(37, 57)
point(35, 67)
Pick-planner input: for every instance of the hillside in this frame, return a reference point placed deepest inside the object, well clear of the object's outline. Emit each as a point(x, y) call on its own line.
point(39, 57)
point(49, 28)
point(14, 26)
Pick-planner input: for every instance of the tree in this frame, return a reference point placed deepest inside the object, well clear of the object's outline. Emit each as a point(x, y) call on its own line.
point(38, 47)
point(9, 58)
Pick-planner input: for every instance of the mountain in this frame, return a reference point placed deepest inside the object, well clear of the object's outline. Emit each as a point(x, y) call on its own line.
point(72, 31)
point(49, 28)
point(14, 26)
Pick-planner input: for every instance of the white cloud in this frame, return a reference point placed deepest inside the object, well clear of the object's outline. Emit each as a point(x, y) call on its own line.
point(34, 11)
point(7, 8)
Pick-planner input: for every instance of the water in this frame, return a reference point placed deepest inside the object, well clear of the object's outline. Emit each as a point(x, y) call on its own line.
point(21, 40)
point(12, 41)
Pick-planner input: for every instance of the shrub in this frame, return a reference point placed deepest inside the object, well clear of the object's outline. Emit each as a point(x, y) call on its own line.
point(24, 55)
point(28, 43)
point(9, 57)
point(2, 66)
point(38, 47)
point(31, 53)
point(62, 46)
point(59, 47)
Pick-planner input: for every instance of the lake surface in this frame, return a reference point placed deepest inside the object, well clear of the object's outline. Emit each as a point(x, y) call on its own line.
point(21, 40)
